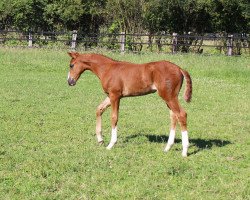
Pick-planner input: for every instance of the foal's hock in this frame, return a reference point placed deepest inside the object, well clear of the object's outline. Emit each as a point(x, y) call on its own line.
point(123, 79)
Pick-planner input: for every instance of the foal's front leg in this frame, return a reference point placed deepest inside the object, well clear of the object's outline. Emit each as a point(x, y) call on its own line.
point(100, 109)
point(115, 101)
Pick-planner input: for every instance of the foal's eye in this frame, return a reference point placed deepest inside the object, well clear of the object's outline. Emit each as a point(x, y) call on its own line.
point(71, 65)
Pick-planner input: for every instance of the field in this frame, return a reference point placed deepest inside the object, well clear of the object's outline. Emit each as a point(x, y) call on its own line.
point(48, 148)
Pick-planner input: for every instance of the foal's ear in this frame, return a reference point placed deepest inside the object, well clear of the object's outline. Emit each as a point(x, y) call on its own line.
point(73, 54)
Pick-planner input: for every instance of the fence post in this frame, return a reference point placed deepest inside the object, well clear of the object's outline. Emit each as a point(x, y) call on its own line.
point(174, 43)
point(122, 41)
point(73, 42)
point(230, 45)
point(30, 40)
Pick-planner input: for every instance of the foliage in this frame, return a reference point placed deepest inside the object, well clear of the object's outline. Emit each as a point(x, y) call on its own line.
point(128, 13)
point(79, 15)
point(230, 16)
point(23, 14)
point(177, 16)
point(152, 16)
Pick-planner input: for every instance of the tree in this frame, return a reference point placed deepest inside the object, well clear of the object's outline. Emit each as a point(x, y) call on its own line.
point(84, 15)
point(126, 13)
point(177, 16)
point(23, 14)
point(133, 16)
point(230, 15)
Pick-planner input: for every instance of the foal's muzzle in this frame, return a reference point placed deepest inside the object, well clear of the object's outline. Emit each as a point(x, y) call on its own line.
point(71, 81)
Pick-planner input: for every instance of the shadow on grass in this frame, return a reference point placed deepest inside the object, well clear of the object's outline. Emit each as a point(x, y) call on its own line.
point(200, 144)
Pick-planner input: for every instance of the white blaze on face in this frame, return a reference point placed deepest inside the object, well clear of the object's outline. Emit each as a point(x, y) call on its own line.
point(68, 75)
point(153, 87)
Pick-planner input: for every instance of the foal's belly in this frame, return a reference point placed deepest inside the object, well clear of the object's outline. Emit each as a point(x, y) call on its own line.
point(138, 90)
point(136, 82)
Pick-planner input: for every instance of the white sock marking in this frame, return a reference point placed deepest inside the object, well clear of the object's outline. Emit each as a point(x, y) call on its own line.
point(99, 138)
point(113, 138)
point(171, 137)
point(185, 143)
point(170, 140)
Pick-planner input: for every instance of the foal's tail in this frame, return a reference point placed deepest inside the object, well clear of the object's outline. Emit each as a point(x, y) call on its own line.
point(188, 88)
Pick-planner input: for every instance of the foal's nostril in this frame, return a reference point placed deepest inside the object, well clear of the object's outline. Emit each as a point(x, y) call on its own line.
point(71, 81)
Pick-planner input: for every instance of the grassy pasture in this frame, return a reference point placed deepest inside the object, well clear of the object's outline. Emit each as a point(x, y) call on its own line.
point(48, 148)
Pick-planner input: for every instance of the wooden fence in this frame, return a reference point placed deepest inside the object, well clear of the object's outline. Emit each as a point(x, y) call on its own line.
point(233, 44)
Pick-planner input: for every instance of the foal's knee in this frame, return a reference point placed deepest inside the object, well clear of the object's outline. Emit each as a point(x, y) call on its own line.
point(99, 111)
point(183, 114)
point(183, 119)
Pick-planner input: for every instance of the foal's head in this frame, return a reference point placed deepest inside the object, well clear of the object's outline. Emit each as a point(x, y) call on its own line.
point(77, 67)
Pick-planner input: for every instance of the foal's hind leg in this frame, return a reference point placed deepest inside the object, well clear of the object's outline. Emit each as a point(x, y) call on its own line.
point(100, 109)
point(115, 102)
point(171, 137)
point(181, 115)
point(182, 118)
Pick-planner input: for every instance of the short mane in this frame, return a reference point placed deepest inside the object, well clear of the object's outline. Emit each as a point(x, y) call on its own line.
point(111, 59)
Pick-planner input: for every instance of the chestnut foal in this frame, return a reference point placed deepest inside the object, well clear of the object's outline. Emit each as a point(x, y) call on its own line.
point(123, 79)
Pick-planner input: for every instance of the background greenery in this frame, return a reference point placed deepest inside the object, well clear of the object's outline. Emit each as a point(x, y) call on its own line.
point(48, 148)
point(151, 16)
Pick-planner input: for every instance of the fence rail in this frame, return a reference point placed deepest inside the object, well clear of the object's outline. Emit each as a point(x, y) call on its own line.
point(233, 44)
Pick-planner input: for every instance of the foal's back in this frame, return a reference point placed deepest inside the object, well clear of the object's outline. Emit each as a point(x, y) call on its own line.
point(132, 79)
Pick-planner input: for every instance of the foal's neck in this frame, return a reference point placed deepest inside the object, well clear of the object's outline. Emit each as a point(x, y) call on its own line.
point(98, 69)
point(98, 64)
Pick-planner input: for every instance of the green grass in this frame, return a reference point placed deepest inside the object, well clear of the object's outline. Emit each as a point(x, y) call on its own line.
point(48, 148)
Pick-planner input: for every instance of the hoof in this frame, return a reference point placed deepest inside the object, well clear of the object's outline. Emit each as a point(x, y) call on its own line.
point(184, 154)
point(167, 148)
point(101, 143)
point(109, 147)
